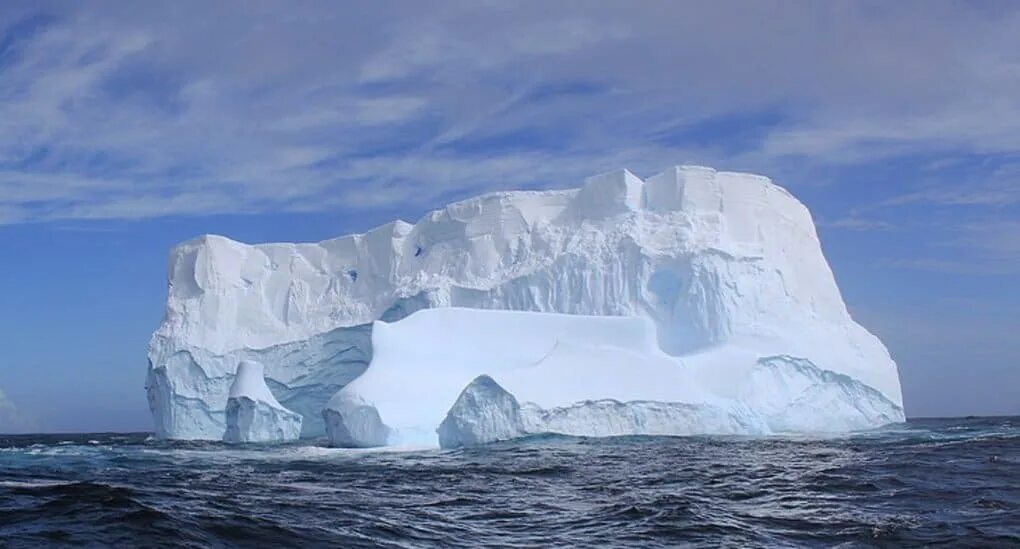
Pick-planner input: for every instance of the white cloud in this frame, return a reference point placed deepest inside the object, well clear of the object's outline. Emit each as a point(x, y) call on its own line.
point(988, 247)
point(853, 223)
point(1000, 188)
point(10, 215)
point(137, 110)
point(996, 239)
point(382, 110)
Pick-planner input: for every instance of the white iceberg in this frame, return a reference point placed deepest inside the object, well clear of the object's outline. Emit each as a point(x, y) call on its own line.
point(725, 270)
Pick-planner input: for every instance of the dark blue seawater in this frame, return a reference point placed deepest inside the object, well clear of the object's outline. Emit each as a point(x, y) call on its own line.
point(954, 483)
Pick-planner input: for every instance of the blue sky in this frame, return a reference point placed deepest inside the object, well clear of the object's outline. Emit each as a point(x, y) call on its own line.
point(126, 127)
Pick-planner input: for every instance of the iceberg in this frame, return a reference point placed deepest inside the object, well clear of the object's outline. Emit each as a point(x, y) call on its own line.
point(694, 301)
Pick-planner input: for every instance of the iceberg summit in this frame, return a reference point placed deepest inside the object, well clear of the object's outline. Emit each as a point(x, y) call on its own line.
point(691, 302)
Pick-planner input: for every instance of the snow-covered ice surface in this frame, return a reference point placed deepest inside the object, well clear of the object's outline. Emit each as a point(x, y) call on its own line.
point(253, 413)
point(724, 270)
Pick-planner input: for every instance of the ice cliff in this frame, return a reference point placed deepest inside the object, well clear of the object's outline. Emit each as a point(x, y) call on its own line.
point(718, 277)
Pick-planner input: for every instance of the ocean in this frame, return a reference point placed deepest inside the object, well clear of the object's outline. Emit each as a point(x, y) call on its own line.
point(939, 482)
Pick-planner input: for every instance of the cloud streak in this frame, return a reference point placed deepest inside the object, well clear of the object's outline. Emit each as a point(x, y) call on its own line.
point(128, 111)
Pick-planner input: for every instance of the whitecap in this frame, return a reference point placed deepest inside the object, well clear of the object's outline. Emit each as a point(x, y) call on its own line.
point(33, 483)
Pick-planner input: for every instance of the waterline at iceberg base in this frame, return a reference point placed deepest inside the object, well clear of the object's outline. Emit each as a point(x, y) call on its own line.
point(692, 302)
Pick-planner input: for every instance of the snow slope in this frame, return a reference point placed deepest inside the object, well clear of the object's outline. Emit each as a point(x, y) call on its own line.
point(726, 266)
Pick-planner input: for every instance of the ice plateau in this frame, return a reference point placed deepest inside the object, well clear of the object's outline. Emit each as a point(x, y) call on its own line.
point(694, 301)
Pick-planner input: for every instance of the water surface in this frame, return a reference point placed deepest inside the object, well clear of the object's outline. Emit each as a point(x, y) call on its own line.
point(928, 482)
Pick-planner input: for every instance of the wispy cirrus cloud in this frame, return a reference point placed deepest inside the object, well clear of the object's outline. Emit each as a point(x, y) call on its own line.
point(125, 110)
point(996, 239)
point(854, 223)
point(999, 188)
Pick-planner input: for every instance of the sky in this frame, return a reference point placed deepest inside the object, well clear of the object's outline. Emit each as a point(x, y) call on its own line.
point(126, 127)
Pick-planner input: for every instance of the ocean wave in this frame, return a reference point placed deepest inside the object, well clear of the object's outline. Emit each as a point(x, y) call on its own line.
point(944, 482)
